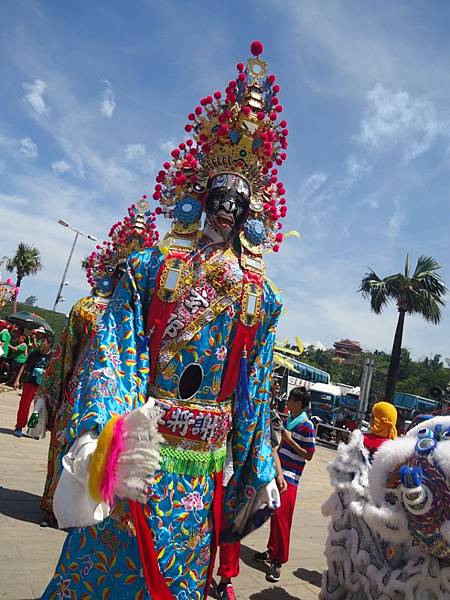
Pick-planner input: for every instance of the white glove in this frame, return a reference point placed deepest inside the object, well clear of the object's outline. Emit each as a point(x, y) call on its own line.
point(271, 495)
point(140, 457)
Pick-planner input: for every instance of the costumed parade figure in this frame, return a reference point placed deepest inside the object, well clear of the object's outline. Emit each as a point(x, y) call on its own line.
point(103, 270)
point(389, 537)
point(181, 360)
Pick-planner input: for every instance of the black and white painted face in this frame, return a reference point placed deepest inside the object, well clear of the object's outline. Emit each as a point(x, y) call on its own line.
point(227, 205)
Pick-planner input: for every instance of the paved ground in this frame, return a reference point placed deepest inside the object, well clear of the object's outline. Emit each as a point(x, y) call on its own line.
point(28, 553)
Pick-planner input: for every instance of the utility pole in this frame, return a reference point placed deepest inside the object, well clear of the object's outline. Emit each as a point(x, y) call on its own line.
point(366, 381)
point(66, 268)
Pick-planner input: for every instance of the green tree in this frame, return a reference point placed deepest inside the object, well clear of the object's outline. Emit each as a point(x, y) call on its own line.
point(421, 292)
point(25, 262)
point(31, 300)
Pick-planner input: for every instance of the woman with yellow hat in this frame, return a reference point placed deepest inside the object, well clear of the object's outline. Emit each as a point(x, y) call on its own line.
point(383, 426)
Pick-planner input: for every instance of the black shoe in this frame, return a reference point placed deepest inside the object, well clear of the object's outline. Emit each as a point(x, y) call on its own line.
point(261, 556)
point(274, 572)
point(49, 521)
point(18, 432)
point(225, 591)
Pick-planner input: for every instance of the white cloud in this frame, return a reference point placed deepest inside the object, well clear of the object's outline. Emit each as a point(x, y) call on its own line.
point(396, 220)
point(311, 186)
point(60, 167)
point(168, 146)
point(356, 168)
point(32, 212)
point(108, 101)
point(398, 118)
point(133, 151)
point(345, 48)
point(319, 345)
point(12, 199)
point(34, 96)
point(371, 200)
point(28, 148)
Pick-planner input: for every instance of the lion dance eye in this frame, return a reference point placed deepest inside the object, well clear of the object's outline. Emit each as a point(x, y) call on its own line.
point(425, 441)
point(425, 433)
point(445, 435)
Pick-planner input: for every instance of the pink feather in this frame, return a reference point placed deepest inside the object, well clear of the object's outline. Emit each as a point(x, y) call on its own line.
point(110, 477)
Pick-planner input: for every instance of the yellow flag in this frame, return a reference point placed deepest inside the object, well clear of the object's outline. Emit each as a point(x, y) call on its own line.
point(299, 343)
point(292, 233)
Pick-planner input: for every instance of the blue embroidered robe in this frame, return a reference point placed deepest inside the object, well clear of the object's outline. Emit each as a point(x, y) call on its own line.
point(104, 559)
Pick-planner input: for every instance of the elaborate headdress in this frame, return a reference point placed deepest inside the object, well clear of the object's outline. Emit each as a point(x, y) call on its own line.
point(237, 141)
point(8, 290)
point(136, 232)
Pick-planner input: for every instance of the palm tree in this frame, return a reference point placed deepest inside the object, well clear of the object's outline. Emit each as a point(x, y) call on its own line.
point(421, 293)
point(31, 300)
point(25, 262)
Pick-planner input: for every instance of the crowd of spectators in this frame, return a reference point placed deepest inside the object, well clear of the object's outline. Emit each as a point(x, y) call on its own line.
point(23, 358)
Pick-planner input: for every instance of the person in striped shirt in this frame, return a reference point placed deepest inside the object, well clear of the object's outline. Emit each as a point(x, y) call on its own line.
point(297, 446)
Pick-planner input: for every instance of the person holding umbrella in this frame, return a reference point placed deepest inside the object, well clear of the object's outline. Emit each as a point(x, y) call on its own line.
point(34, 367)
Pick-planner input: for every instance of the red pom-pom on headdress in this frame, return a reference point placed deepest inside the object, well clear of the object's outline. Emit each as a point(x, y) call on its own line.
point(256, 48)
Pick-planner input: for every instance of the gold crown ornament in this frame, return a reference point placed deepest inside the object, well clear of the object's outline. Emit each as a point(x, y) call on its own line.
point(135, 232)
point(8, 291)
point(237, 141)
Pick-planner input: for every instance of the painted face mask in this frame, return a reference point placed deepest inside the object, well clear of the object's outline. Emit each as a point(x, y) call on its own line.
point(227, 204)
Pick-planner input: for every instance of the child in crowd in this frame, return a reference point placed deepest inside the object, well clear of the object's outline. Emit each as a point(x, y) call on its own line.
point(297, 446)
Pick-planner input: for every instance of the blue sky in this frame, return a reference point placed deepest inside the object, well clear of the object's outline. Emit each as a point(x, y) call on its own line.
point(94, 95)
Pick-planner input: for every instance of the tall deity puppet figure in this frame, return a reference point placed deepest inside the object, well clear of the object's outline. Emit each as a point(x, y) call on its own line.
point(104, 268)
point(180, 362)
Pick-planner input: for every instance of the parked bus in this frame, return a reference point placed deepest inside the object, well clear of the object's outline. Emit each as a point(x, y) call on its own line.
point(411, 404)
point(325, 400)
point(293, 373)
point(299, 373)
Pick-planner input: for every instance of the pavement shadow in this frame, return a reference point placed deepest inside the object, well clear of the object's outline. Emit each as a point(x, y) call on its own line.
point(20, 505)
point(247, 555)
point(274, 593)
point(313, 577)
point(6, 431)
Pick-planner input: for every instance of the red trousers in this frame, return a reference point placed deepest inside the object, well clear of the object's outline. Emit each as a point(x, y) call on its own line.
point(280, 526)
point(28, 392)
point(229, 560)
point(229, 557)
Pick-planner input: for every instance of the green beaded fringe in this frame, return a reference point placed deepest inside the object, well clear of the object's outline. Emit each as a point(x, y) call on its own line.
point(192, 462)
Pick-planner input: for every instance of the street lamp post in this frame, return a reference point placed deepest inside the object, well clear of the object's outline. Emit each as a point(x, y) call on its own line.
point(66, 268)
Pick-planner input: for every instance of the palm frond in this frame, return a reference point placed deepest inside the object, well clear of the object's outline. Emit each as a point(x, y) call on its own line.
point(425, 265)
point(376, 289)
point(430, 307)
point(426, 278)
point(395, 284)
point(407, 266)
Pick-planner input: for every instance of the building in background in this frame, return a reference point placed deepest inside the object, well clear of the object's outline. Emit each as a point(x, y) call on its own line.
point(345, 350)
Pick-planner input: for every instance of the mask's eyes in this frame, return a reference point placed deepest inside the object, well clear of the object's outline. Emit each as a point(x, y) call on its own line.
point(425, 433)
